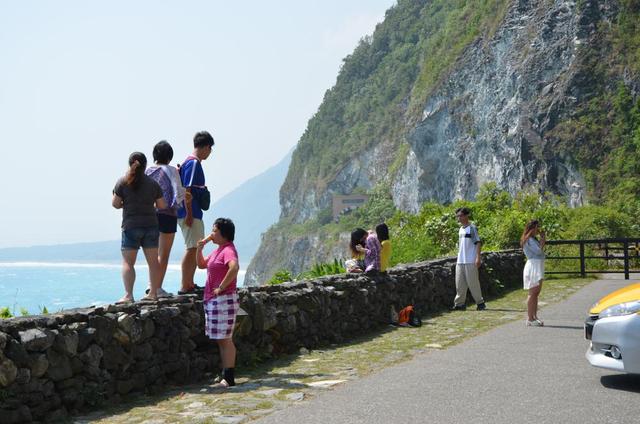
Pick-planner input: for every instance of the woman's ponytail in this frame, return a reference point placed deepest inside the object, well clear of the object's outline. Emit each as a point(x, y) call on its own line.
point(137, 165)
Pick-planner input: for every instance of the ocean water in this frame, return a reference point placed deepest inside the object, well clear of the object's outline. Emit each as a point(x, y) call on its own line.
point(57, 286)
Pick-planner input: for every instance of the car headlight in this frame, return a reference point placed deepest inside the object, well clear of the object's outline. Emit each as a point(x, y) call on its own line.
point(621, 309)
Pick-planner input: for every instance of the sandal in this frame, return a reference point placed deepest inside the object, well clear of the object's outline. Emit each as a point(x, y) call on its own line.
point(161, 293)
point(192, 290)
point(222, 384)
point(148, 298)
point(124, 301)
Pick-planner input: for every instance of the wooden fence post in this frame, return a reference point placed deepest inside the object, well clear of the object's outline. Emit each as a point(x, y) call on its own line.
point(582, 264)
point(626, 260)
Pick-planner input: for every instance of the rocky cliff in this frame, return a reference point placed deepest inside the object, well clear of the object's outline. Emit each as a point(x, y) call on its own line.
point(489, 119)
point(487, 115)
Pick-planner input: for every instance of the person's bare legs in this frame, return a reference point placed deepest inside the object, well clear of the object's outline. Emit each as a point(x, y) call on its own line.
point(188, 269)
point(227, 352)
point(165, 243)
point(128, 273)
point(228, 358)
point(535, 312)
point(532, 302)
point(151, 254)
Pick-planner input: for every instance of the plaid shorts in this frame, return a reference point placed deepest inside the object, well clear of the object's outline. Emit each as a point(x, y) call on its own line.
point(220, 316)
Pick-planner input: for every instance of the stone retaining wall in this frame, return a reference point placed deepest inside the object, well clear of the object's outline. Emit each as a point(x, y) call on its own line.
point(60, 364)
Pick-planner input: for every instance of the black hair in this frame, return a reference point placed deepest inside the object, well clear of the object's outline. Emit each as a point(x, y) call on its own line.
point(356, 239)
point(226, 228)
point(382, 231)
point(162, 152)
point(464, 211)
point(137, 165)
point(203, 139)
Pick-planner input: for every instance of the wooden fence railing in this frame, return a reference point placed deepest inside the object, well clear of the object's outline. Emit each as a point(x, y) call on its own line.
point(621, 251)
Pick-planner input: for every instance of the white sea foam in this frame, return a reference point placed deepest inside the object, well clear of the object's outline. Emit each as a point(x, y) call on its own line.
point(56, 265)
point(80, 265)
point(171, 267)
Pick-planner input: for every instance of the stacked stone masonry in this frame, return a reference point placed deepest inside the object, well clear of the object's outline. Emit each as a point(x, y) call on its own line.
point(55, 365)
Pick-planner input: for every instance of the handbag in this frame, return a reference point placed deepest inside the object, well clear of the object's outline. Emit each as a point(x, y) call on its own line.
point(203, 195)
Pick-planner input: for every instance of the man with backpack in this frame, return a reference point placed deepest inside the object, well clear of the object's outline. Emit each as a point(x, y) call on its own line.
point(190, 212)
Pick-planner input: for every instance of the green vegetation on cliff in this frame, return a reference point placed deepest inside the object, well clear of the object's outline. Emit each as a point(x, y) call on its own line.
point(603, 135)
point(500, 217)
point(383, 84)
point(378, 98)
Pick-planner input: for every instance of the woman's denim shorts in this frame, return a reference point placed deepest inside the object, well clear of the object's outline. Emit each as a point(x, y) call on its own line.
point(145, 237)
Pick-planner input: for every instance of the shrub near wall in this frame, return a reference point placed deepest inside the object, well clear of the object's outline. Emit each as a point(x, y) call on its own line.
point(51, 366)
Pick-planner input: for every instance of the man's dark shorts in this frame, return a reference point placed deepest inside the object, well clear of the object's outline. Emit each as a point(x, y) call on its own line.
point(167, 224)
point(145, 237)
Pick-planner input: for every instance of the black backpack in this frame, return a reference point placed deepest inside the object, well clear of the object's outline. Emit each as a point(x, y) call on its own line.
point(414, 319)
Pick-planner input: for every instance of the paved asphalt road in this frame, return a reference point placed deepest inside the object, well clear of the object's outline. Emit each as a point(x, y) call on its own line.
point(511, 374)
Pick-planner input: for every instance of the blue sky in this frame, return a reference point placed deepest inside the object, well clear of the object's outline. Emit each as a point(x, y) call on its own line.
point(83, 84)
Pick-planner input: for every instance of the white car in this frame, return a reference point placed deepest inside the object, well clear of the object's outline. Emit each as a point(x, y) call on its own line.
point(613, 327)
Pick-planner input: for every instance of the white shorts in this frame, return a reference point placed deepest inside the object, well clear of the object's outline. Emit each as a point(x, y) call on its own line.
point(533, 273)
point(192, 235)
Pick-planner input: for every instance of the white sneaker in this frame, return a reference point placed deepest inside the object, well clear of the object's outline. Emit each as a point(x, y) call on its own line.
point(163, 293)
point(535, 323)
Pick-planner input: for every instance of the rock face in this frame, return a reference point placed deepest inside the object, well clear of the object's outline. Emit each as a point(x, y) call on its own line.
point(101, 355)
point(296, 254)
point(363, 171)
point(487, 121)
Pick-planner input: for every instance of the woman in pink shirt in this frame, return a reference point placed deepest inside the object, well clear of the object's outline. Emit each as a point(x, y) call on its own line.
point(220, 299)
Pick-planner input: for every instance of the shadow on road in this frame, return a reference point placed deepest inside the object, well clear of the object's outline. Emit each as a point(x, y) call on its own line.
point(489, 308)
point(565, 327)
point(625, 382)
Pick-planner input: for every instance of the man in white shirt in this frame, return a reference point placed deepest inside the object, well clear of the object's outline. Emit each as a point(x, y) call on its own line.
point(469, 261)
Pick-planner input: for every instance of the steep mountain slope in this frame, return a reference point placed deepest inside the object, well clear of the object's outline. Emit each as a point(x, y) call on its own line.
point(253, 207)
point(449, 95)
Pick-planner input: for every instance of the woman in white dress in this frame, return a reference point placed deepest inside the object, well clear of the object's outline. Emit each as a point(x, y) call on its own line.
point(534, 269)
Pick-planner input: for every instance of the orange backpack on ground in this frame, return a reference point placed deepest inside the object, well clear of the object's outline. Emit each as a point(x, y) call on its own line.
point(408, 316)
point(405, 315)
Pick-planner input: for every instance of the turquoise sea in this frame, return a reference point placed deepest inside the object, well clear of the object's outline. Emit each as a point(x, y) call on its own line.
point(56, 286)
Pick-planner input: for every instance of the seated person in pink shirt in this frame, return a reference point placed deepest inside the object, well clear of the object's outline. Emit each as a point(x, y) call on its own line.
point(371, 252)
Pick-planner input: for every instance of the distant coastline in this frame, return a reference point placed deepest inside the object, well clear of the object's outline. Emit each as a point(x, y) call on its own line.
point(92, 252)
